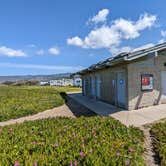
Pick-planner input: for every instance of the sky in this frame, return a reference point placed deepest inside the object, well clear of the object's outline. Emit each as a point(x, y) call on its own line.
point(59, 36)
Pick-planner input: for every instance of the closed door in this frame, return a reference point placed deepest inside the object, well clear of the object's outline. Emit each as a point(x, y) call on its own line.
point(98, 82)
point(163, 86)
point(93, 86)
point(121, 89)
point(84, 86)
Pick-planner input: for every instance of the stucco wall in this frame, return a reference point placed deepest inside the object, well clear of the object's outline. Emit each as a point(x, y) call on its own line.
point(108, 92)
point(149, 65)
point(135, 97)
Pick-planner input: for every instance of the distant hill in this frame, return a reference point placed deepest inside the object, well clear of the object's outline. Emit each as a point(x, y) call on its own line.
point(34, 77)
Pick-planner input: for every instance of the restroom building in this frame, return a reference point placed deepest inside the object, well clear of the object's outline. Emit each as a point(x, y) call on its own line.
point(129, 80)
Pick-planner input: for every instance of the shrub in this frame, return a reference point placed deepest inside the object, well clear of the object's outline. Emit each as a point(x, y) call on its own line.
point(159, 132)
point(7, 83)
point(21, 101)
point(92, 141)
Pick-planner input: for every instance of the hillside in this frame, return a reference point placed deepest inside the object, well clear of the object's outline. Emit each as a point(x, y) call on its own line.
point(34, 77)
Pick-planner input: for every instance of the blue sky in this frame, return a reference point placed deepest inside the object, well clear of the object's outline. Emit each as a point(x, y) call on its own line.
point(57, 36)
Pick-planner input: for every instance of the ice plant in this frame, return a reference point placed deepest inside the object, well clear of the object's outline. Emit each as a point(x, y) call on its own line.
point(56, 145)
point(56, 148)
point(81, 153)
point(75, 163)
point(117, 154)
point(16, 163)
point(127, 162)
point(83, 146)
point(35, 164)
point(75, 135)
point(10, 129)
point(71, 163)
point(131, 150)
point(27, 101)
point(41, 143)
point(94, 134)
point(91, 150)
point(33, 142)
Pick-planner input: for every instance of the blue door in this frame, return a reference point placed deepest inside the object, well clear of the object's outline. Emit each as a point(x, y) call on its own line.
point(121, 89)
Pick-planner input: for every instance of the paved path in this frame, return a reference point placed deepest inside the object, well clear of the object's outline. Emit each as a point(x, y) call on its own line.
point(56, 112)
point(70, 109)
point(141, 117)
point(136, 118)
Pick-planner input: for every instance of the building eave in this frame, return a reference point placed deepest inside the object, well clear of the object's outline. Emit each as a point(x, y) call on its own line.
point(124, 57)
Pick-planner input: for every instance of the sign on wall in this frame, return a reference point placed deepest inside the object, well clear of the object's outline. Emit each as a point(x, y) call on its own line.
point(147, 82)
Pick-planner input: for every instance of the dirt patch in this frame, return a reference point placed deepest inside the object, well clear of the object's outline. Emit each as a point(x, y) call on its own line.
point(150, 157)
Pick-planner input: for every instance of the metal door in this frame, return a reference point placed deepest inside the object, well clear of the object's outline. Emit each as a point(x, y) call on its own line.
point(98, 82)
point(121, 89)
point(163, 86)
point(93, 86)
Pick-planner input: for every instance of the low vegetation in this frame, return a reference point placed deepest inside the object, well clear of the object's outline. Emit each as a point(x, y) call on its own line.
point(159, 132)
point(21, 83)
point(66, 141)
point(26, 100)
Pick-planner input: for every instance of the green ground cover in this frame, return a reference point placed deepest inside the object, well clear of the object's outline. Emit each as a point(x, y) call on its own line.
point(26, 100)
point(159, 132)
point(69, 141)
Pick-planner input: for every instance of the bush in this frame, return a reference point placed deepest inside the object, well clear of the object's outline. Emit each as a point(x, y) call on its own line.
point(21, 101)
point(7, 83)
point(26, 82)
point(92, 141)
point(159, 132)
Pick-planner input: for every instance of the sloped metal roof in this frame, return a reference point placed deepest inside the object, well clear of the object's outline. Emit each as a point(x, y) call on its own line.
point(124, 56)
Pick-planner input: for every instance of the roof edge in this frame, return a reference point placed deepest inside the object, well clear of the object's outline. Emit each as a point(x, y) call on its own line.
point(123, 57)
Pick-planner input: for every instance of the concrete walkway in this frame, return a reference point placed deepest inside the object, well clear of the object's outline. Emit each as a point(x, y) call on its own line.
point(62, 111)
point(136, 118)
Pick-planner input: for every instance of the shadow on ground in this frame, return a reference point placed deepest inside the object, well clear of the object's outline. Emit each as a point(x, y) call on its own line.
point(77, 109)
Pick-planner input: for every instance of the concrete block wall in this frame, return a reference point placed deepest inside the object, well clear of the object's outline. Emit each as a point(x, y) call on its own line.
point(108, 91)
point(135, 97)
point(149, 65)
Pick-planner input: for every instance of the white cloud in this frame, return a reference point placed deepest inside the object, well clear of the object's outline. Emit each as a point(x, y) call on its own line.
point(117, 50)
point(40, 52)
point(161, 41)
point(110, 36)
point(163, 33)
point(103, 37)
point(144, 47)
point(145, 21)
point(130, 29)
point(54, 51)
point(9, 52)
point(100, 17)
point(42, 67)
point(75, 41)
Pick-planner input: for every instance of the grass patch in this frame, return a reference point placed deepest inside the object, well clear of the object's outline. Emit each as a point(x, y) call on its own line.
point(66, 141)
point(27, 100)
point(159, 132)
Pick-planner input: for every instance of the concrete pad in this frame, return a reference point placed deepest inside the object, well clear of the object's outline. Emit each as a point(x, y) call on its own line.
point(135, 118)
point(101, 108)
